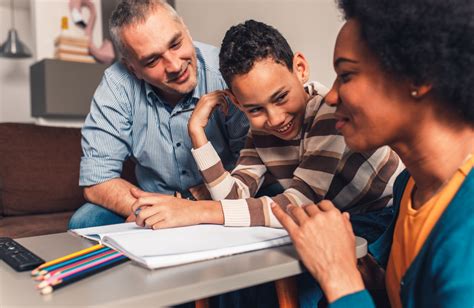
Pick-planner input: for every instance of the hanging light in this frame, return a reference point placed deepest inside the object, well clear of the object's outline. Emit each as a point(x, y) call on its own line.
point(13, 46)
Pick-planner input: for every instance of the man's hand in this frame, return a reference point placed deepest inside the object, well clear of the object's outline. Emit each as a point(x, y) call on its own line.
point(159, 211)
point(114, 195)
point(323, 237)
point(203, 111)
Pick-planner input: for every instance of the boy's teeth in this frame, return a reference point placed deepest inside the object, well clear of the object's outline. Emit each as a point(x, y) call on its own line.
point(286, 127)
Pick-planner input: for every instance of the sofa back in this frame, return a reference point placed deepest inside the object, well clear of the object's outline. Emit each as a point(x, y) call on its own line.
point(39, 169)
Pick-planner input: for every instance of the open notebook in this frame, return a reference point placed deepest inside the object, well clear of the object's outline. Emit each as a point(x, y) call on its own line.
point(168, 247)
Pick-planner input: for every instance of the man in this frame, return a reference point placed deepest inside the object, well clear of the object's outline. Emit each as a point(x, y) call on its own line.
point(141, 110)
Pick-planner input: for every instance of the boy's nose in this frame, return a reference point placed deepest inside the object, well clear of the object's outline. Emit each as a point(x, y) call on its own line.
point(275, 118)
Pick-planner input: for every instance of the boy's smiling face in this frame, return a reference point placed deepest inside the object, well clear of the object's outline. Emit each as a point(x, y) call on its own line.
point(273, 97)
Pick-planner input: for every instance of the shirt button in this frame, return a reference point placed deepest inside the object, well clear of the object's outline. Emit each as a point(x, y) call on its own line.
point(178, 144)
point(183, 172)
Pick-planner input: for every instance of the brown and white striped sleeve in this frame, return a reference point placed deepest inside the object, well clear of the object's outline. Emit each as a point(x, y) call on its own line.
point(245, 180)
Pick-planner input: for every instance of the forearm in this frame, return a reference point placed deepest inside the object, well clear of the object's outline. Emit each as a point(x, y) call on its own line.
point(242, 183)
point(113, 194)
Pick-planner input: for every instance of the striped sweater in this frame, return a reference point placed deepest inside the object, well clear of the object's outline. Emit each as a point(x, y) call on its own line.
point(314, 166)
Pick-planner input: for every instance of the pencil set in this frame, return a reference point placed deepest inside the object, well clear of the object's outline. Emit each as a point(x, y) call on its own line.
point(60, 272)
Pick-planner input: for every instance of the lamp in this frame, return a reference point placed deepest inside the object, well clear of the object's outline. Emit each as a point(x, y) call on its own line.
point(13, 46)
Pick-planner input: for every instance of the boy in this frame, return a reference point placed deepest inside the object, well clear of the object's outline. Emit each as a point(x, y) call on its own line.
point(293, 141)
point(293, 136)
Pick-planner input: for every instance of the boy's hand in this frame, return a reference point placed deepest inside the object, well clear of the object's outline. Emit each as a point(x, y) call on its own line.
point(157, 211)
point(203, 111)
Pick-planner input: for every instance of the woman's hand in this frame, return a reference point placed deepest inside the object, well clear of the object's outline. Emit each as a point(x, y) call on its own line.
point(203, 111)
point(323, 237)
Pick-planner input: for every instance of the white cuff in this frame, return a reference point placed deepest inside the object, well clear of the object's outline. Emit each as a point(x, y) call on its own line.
point(272, 220)
point(205, 156)
point(236, 213)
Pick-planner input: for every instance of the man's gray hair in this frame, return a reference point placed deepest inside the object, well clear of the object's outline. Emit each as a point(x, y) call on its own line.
point(129, 12)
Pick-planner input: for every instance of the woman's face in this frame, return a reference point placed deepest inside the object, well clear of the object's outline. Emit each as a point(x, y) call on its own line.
point(373, 108)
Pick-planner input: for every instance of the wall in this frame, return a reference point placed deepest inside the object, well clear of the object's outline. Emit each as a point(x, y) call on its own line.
point(14, 73)
point(310, 26)
point(45, 15)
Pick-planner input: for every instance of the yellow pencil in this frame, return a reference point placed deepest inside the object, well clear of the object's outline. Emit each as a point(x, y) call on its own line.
point(72, 255)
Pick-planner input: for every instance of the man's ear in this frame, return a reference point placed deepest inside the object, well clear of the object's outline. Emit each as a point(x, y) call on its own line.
point(301, 67)
point(129, 67)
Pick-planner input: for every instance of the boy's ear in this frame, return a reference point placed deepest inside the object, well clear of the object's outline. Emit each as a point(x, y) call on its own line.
point(301, 67)
point(233, 99)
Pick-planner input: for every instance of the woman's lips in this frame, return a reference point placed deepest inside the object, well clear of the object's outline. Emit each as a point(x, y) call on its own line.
point(340, 123)
point(341, 120)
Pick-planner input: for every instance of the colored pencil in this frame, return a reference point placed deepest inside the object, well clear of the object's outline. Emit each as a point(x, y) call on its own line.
point(48, 269)
point(83, 274)
point(88, 259)
point(79, 269)
point(72, 255)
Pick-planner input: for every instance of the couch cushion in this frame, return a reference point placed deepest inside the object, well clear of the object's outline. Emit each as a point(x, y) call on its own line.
point(39, 169)
point(34, 225)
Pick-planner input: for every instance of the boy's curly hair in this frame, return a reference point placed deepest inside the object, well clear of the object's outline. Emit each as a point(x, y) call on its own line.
point(248, 42)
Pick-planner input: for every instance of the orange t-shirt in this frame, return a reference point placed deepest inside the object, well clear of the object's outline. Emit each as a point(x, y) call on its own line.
point(413, 227)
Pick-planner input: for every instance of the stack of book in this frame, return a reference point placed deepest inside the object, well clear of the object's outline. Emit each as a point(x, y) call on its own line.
point(72, 46)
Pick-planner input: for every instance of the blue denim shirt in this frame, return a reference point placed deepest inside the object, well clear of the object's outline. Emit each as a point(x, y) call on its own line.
point(127, 118)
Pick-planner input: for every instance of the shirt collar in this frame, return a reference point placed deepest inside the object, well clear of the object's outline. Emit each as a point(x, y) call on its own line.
point(197, 92)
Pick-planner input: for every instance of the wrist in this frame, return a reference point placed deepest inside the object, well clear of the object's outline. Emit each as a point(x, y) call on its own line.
point(340, 282)
point(210, 212)
point(198, 136)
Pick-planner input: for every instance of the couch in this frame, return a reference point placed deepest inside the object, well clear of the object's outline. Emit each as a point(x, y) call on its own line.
point(39, 175)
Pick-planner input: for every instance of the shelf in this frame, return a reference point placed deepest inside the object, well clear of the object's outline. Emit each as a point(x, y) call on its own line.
point(63, 89)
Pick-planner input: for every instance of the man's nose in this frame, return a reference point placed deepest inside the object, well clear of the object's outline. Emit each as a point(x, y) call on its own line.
point(173, 64)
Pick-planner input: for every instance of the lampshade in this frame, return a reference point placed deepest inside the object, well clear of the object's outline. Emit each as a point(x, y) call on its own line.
point(13, 46)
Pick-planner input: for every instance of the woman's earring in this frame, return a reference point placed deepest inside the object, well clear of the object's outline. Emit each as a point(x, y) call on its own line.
point(414, 93)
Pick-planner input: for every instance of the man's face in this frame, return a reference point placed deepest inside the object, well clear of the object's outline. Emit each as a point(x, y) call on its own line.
point(160, 51)
point(273, 97)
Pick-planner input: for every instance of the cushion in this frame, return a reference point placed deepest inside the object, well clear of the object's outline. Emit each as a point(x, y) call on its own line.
point(34, 225)
point(39, 169)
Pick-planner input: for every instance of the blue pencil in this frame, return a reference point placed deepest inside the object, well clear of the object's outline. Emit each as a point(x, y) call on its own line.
point(83, 274)
point(80, 263)
point(45, 270)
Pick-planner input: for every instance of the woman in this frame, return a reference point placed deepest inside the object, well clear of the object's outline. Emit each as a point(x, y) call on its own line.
point(404, 79)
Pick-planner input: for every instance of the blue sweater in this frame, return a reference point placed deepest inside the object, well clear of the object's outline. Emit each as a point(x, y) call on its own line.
point(442, 274)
